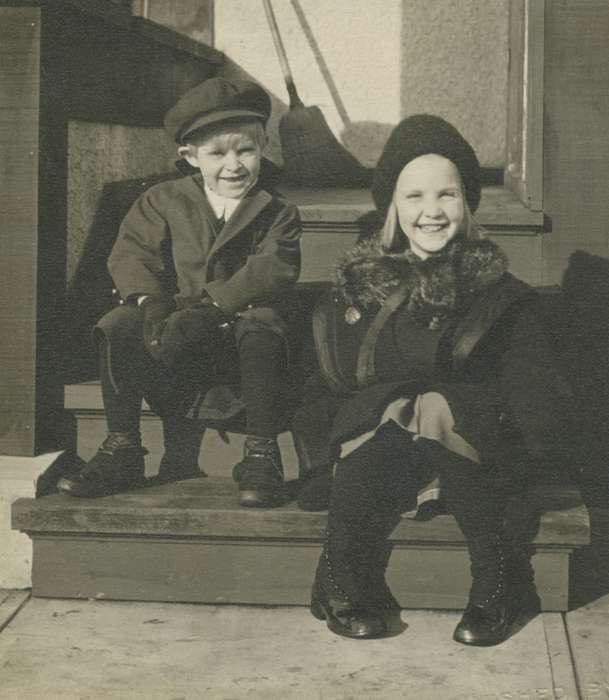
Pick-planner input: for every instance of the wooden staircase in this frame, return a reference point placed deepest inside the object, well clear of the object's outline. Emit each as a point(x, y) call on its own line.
point(191, 542)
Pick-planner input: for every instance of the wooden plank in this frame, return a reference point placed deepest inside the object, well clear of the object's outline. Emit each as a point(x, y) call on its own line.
point(20, 86)
point(534, 110)
point(251, 572)
point(15, 391)
point(515, 95)
point(27, 119)
point(20, 331)
point(589, 636)
point(11, 603)
point(23, 221)
point(524, 171)
point(19, 37)
point(192, 652)
point(18, 25)
point(206, 507)
point(19, 254)
point(564, 684)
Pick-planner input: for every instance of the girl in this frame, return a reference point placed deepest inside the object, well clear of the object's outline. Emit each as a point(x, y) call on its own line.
point(433, 364)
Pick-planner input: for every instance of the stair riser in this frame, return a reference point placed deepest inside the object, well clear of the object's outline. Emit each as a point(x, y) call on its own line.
point(238, 571)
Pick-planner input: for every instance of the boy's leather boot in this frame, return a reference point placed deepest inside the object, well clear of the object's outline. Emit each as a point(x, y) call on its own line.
point(117, 466)
point(182, 440)
point(260, 474)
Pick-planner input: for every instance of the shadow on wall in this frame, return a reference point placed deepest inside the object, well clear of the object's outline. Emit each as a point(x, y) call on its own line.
point(586, 346)
point(89, 293)
point(585, 343)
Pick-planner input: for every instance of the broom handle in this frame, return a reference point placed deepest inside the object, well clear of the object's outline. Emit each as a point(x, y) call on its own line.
point(295, 101)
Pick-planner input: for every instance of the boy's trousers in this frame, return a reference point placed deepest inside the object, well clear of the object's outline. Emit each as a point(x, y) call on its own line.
point(255, 357)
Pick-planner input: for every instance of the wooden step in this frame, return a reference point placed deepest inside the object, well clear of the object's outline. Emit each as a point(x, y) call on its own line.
point(218, 454)
point(191, 542)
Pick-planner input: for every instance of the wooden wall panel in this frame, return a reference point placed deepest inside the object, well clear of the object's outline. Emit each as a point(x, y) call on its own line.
point(19, 80)
point(576, 134)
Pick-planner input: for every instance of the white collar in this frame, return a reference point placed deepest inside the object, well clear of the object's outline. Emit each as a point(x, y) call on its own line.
point(223, 207)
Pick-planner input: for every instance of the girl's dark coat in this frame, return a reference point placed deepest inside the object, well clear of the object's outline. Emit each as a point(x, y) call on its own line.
point(497, 370)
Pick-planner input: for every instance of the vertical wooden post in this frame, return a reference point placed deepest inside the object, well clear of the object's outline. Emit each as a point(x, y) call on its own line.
point(524, 167)
point(31, 398)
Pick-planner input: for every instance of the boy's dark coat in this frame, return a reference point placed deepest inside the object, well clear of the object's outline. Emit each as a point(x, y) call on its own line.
point(170, 243)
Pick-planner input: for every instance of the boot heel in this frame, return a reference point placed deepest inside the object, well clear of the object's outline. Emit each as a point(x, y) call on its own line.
point(317, 609)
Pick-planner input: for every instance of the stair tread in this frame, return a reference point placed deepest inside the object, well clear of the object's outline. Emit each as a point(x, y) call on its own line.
point(208, 508)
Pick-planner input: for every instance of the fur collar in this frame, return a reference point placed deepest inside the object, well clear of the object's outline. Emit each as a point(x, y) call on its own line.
point(438, 286)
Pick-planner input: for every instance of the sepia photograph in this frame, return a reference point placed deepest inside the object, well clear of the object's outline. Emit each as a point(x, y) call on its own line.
point(304, 364)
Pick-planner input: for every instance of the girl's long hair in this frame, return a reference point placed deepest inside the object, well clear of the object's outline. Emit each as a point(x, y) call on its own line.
point(394, 240)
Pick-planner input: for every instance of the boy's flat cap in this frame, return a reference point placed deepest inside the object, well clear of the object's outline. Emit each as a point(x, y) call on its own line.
point(213, 101)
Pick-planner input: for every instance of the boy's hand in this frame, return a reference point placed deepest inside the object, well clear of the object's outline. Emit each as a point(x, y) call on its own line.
point(191, 327)
point(156, 311)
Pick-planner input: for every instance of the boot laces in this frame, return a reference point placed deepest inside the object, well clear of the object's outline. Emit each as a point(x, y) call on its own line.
point(354, 606)
point(500, 586)
point(270, 455)
point(118, 441)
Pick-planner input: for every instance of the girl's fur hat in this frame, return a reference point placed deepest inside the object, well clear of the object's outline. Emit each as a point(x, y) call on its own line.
point(416, 136)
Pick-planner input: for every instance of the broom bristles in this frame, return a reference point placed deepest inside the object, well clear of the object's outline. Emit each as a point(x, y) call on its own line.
point(312, 155)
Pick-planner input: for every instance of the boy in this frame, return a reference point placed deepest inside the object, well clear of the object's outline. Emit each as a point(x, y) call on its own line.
point(201, 263)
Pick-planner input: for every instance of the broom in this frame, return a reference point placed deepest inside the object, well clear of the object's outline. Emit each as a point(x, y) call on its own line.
point(312, 155)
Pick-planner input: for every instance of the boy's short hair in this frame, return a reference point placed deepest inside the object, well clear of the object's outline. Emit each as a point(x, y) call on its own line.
point(214, 101)
point(253, 128)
